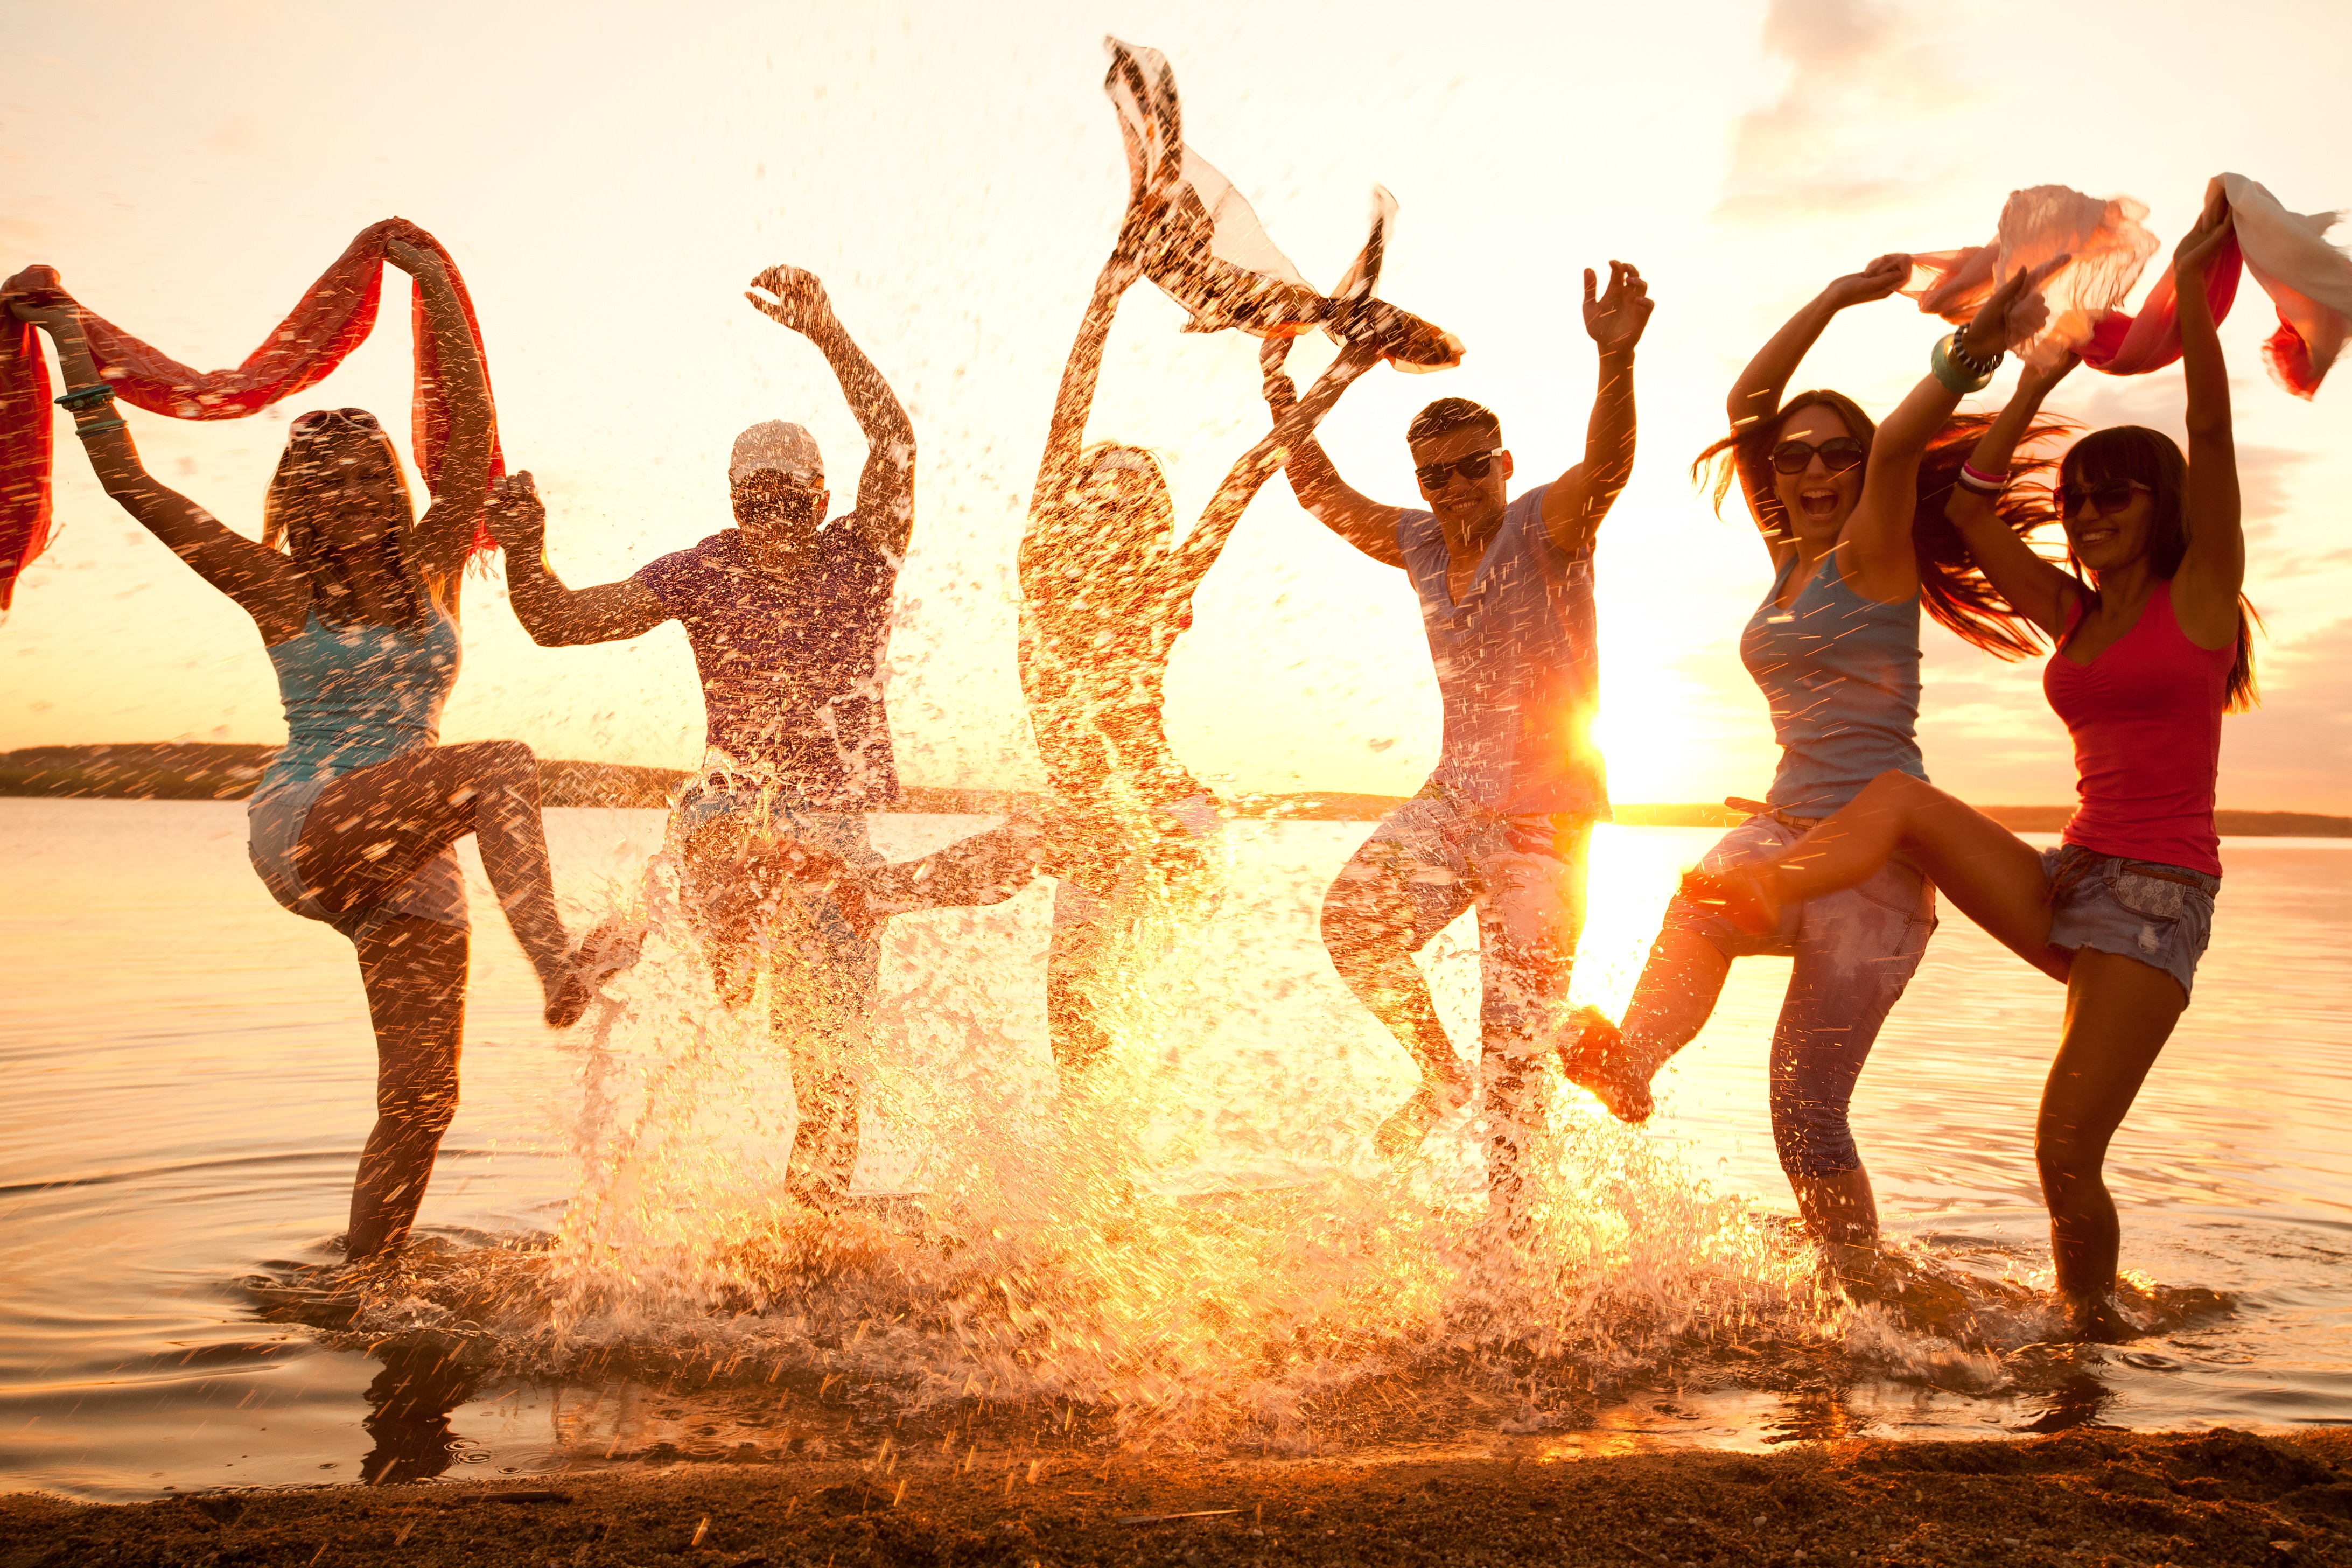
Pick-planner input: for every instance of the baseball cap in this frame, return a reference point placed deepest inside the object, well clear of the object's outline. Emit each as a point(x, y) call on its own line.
point(773, 444)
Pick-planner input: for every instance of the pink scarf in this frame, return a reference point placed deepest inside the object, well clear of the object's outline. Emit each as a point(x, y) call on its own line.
point(2308, 280)
point(335, 317)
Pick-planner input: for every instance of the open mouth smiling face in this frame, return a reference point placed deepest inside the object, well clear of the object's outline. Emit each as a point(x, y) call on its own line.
point(1817, 469)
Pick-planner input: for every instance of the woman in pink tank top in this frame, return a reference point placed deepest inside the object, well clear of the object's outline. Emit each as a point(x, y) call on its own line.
point(2151, 648)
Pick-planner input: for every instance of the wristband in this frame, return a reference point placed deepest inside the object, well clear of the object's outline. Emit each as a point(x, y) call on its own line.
point(1948, 371)
point(1976, 479)
point(90, 396)
point(102, 427)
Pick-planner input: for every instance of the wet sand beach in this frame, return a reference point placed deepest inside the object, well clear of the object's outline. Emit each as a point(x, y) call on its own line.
point(2082, 1497)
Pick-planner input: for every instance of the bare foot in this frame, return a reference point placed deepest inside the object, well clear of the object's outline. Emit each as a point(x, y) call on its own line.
point(1744, 895)
point(1592, 1054)
point(603, 953)
point(2097, 1321)
point(1409, 1123)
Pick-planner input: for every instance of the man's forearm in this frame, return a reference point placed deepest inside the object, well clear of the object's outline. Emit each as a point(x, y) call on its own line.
point(1609, 434)
point(872, 403)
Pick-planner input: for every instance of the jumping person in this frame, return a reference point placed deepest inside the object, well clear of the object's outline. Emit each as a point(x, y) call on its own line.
point(1106, 591)
point(1852, 516)
point(356, 599)
point(1506, 591)
point(789, 616)
point(2152, 648)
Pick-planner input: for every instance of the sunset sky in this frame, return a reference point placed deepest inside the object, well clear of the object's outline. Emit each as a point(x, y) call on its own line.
point(609, 178)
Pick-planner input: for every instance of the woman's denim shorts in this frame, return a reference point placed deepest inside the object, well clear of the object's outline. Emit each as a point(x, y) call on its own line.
point(2161, 915)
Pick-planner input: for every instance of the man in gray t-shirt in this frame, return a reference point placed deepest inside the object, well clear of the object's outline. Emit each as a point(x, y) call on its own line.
point(1506, 591)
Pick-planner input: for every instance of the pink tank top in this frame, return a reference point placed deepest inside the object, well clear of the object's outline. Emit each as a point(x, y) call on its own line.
point(2146, 719)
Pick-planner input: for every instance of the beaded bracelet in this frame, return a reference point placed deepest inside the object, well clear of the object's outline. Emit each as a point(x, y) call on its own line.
point(102, 427)
point(90, 396)
point(1950, 373)
point(1969, 362)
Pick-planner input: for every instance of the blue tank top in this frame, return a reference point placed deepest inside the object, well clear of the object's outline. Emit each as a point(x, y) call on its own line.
point(1517, 667)
point(356, 696)
point(1842, 673)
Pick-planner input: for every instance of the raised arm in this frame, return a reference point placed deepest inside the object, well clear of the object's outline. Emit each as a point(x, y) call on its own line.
point(1756, 395)
point(1881, 562)
point(1370, 525)
point(445, 534)
point(1190, 561)
point(1058, 470)
point(2034, 587)
point(886, 486)
point(2213, 572)
point(1575, 504)
point(263, 583)
point(555, 615)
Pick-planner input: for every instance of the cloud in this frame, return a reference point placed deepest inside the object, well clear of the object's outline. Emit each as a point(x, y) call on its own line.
point(1850, 128)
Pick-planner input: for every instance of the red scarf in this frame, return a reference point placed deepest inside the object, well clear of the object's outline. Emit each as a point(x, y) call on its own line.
point(2308, 281)
point(335, 317)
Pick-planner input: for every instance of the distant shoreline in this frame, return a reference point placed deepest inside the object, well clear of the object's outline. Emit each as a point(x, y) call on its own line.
point(205, 770)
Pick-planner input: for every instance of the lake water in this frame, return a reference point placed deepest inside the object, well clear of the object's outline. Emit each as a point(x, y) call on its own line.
point(188, 1076)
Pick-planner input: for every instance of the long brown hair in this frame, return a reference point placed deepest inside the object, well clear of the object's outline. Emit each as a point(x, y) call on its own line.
point(1951, 586)
point(297, 502)
point(2150, 457)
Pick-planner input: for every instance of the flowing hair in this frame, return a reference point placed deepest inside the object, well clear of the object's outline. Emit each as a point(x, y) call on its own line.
point(296, 503)
point(1951, 586)
point(2150, 457)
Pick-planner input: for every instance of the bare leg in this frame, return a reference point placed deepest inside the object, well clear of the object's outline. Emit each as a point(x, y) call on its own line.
point(416, 975)
point(1839, 1208)
point(2119, 1013)
point(1369, 925)
point(1992, 875)
point(1672, 1003)
point(1073, 972)
point(370, 831)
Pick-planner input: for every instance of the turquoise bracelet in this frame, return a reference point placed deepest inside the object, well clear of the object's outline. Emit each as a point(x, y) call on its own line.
point(1953, 378)
point(89, 396)
point(102, 427)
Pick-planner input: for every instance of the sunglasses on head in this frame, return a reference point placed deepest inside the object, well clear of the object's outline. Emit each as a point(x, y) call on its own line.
point(1838, 454)
point(1435, 475)
point(2113, 496)
point(319, 419)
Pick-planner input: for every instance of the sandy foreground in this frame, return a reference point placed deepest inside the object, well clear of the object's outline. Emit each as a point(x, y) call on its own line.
point(2085, 1497)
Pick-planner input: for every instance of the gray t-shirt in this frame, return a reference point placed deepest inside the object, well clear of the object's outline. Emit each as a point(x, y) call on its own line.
point(1517, 667)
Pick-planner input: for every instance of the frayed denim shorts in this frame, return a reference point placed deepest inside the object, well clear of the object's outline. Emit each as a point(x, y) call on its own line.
point(2161, 915)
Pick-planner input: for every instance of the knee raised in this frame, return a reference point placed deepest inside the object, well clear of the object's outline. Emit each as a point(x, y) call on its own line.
point(510, 761)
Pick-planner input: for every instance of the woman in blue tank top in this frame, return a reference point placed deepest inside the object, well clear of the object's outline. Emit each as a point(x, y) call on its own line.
point(354, 822)
point(1853, 516)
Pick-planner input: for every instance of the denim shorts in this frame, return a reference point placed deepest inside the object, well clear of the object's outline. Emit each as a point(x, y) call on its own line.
point(1855, 950)
point(2161, 915)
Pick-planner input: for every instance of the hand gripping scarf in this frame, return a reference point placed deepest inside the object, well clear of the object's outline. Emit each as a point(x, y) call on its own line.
point(335, 317)
point(1211, 255)
point(2308, 280)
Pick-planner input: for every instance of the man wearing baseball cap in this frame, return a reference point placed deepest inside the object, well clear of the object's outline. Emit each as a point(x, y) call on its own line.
point(789, 616)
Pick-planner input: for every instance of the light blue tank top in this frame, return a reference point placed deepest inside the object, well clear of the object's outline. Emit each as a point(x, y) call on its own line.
point(356, 696)
point(1516, 667)
point(1842, 673)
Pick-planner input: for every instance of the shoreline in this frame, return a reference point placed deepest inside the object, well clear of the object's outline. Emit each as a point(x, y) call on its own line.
point(209, 770)
point(2085, 1497)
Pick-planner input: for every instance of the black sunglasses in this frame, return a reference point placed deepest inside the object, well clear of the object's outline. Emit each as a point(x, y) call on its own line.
point(2113, 496)
point(1838, 454)
point(319, 419)
point(1433, 476)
